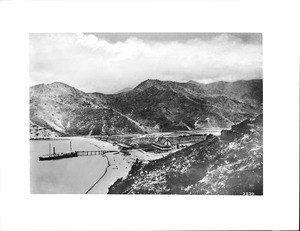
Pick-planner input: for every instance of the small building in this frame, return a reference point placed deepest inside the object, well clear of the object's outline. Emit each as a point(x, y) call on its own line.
point(162, 144)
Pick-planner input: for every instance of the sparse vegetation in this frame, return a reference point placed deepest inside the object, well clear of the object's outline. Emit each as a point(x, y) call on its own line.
point(230, 164)
point(153, 106)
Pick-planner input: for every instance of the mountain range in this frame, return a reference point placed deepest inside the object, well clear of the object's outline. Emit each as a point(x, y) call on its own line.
point(153, 105)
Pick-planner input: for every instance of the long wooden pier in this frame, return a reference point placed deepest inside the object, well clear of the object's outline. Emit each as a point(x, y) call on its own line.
point(94, 153)
point(57, 156)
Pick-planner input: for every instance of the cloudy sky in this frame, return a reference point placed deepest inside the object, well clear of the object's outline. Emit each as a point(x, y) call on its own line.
point(108, 62)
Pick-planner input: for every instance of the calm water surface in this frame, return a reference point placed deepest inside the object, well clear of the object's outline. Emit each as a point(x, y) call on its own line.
point(72, 175)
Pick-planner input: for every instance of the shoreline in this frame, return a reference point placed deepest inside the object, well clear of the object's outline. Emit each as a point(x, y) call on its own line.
point(118, 164)
point(214, 131)
point(108, 164)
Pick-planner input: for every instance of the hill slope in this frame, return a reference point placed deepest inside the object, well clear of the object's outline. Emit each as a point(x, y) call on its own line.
point(68, 110)
point(38, 132)
point(181, 106)
point(227, 165)
point(153, 105)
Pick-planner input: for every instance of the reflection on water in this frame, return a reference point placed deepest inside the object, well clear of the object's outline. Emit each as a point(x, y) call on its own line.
point(72, 175)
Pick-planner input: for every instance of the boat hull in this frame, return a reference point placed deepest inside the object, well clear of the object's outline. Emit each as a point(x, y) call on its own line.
point(58, 156)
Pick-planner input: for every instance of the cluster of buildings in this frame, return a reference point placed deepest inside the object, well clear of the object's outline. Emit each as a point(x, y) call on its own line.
point(163, 144)
point(160, 144)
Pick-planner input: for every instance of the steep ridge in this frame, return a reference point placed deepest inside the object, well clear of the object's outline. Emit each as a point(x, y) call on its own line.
point(227, 165)
point(167, 105)
point(247, 91)
point(68, 110)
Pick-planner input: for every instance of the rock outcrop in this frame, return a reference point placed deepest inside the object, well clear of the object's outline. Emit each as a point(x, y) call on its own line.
point(38, 132)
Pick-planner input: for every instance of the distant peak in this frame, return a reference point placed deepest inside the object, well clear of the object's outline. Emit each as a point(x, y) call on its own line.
point(57, 87)
point(148, 83)
point(152, 81)
point(123, 90)
point(193, 82)
point(59, 84)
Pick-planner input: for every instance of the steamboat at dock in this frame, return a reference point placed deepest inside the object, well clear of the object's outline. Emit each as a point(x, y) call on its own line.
point(57, 156)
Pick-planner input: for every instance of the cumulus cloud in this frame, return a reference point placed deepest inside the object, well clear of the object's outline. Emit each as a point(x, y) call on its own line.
point(93, 63)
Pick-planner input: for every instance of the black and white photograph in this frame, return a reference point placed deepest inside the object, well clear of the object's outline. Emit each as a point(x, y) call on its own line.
point(149, 115)
point(146, 113)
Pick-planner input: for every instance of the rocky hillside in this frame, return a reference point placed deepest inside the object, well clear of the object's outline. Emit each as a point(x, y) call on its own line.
point(246, 91)
point(231, 164)
point(38, 132)
point(153, 105)
point(68, 110)
point(167, 106)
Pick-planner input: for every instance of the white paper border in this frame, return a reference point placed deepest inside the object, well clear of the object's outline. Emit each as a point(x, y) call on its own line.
point(277, 209)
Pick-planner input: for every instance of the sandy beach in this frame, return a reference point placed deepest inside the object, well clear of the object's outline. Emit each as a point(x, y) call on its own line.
point(118, 164)
point(84, 174)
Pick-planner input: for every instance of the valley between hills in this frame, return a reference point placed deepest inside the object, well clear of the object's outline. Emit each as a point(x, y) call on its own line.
point(153, 106)
point(216, 129)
